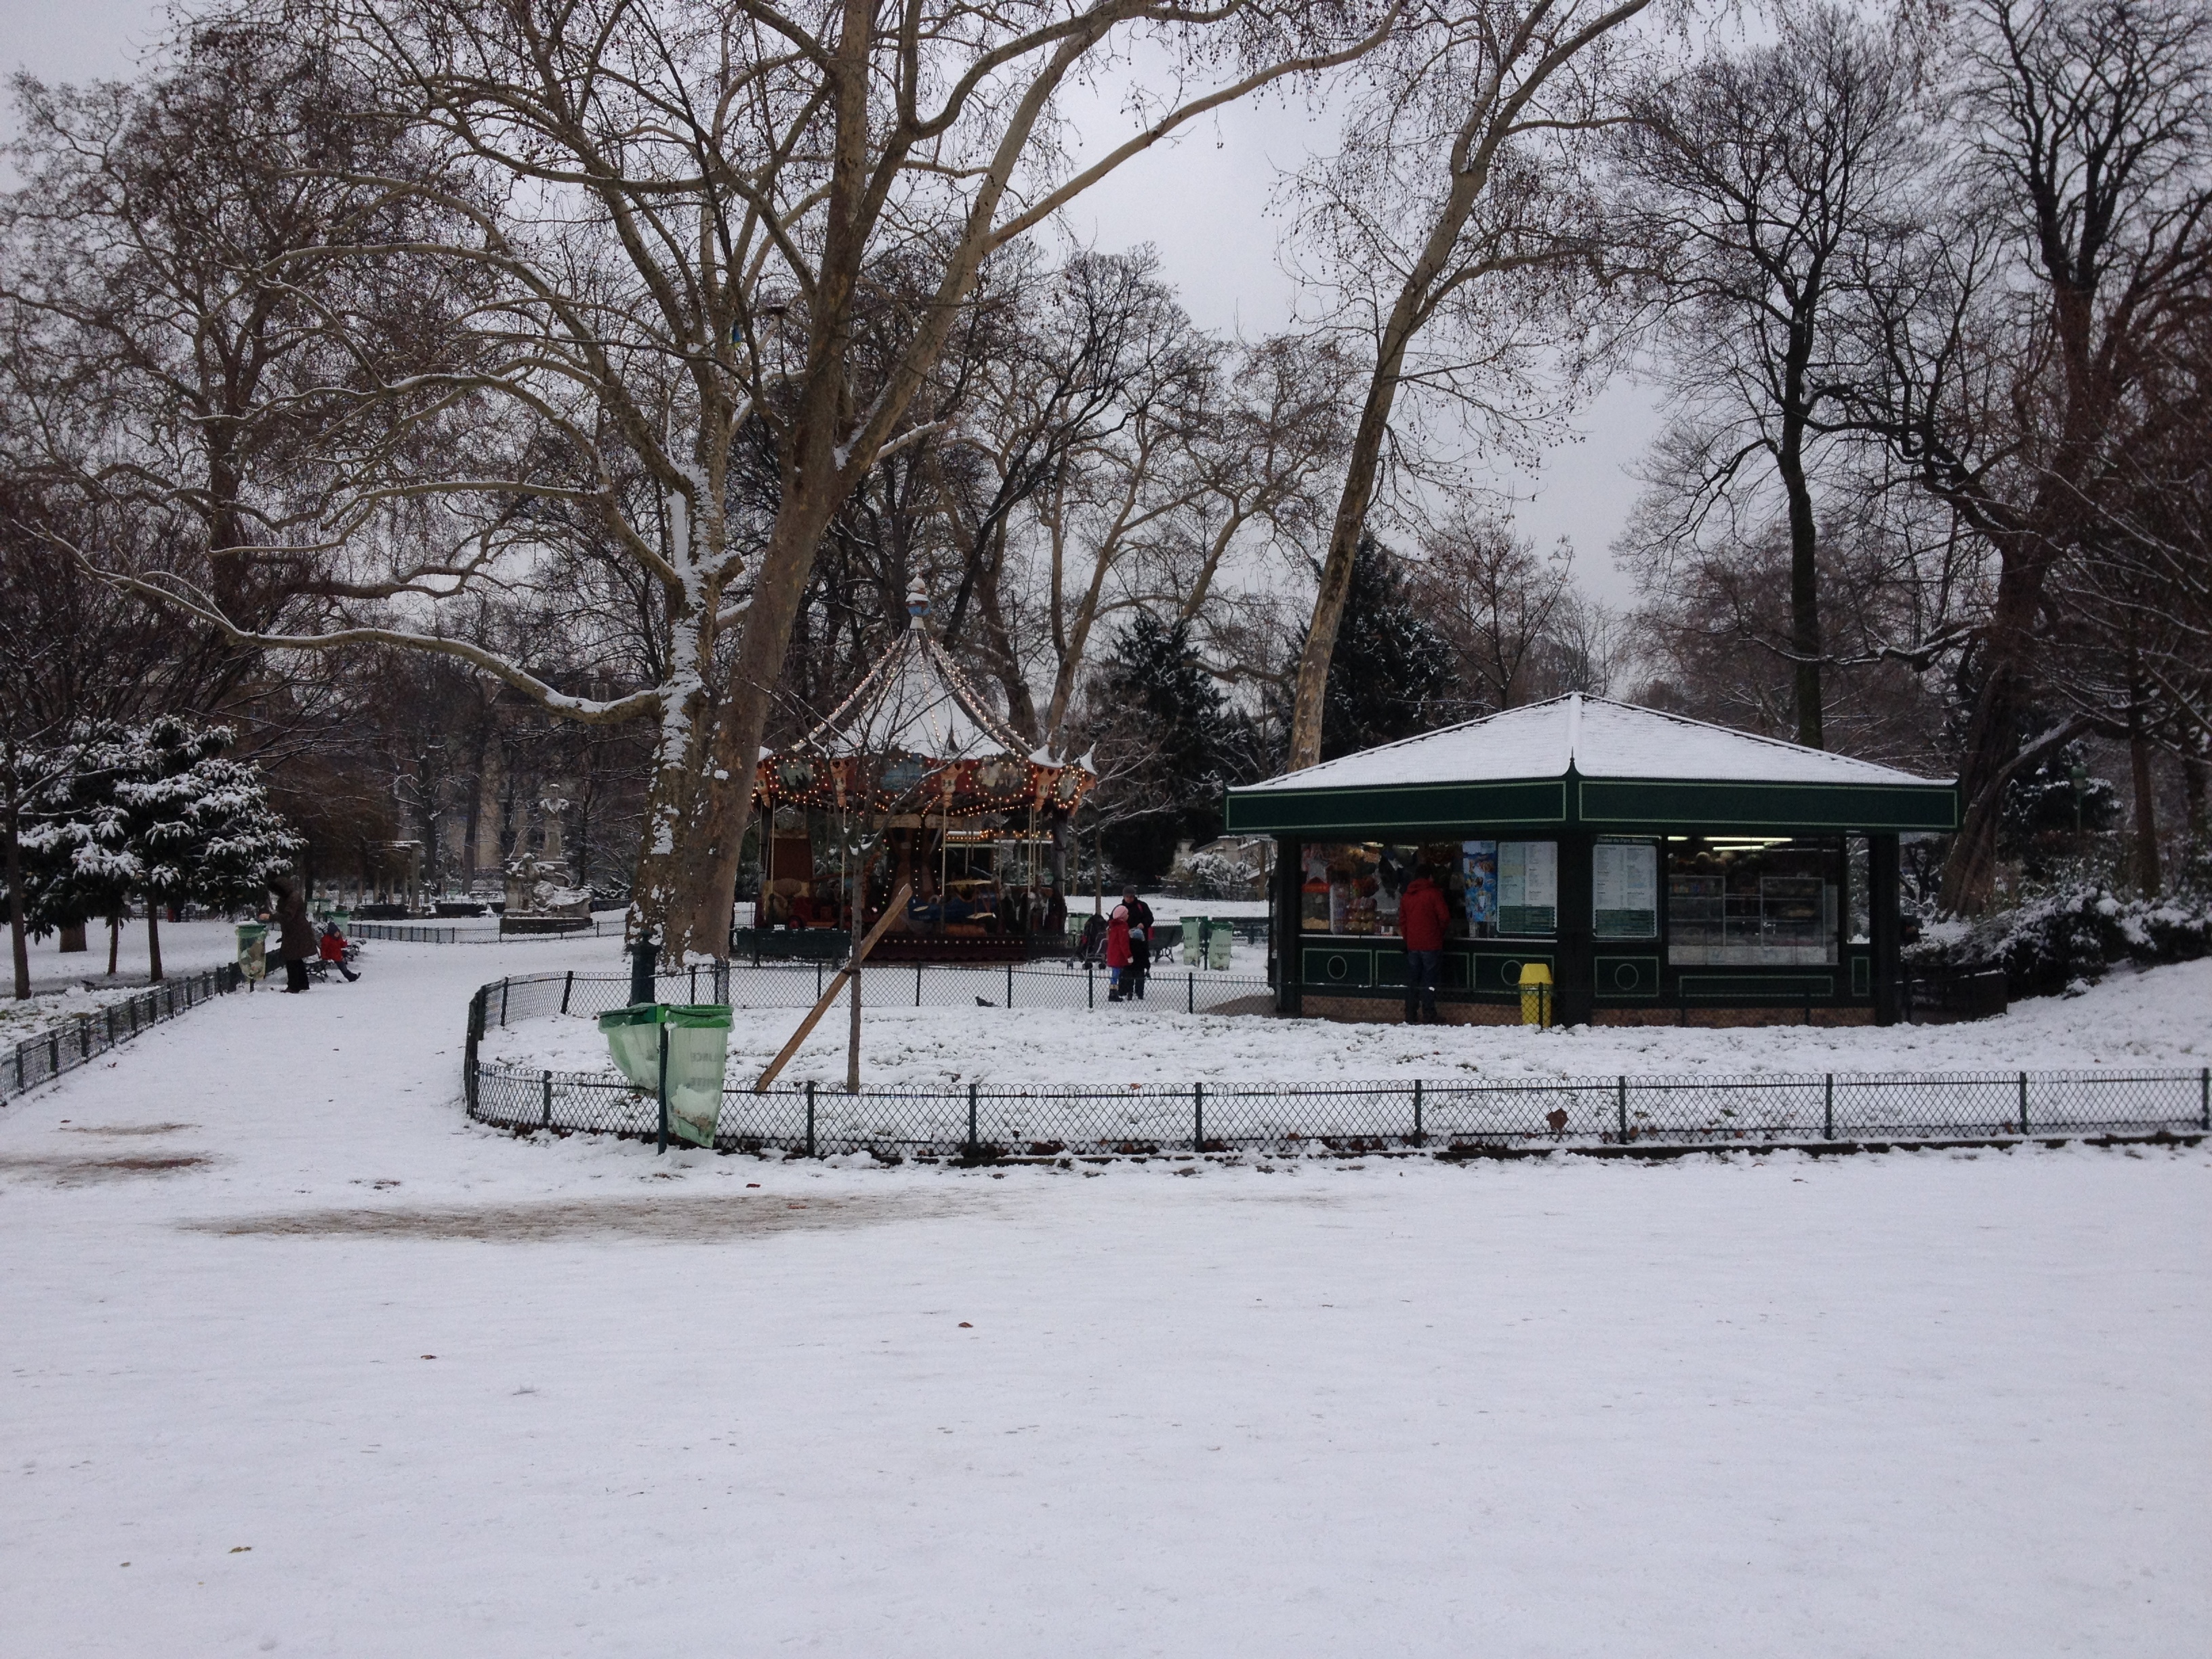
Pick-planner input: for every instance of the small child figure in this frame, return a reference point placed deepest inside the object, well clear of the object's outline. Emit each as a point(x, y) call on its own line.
point(332, 948)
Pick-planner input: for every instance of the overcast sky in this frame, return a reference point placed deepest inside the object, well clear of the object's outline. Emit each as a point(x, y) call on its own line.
point(1202, 203)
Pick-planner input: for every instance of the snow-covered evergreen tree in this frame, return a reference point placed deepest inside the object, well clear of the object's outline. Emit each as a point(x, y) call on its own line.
point(154, 813)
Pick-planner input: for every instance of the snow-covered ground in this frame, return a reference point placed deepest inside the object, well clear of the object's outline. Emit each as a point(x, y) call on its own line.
point(1936, 1403)
point(2161, 1018)
point(65, 984)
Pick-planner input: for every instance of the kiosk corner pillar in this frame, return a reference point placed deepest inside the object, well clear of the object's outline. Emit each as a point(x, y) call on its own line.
point(1285, 903)
point(1884, 927)
point(1573, 993)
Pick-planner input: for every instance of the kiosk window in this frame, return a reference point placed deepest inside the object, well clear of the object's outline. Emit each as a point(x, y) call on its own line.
point(1753, 902)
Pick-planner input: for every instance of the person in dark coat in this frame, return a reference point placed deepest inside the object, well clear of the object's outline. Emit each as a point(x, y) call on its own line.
point(1424, 914)
point(295, 935)
point(1140, 943)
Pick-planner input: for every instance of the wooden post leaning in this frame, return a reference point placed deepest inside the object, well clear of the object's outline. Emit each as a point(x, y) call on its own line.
point(891, 913)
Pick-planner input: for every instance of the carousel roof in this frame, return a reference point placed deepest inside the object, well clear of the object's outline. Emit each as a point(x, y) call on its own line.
point(916, 725)
point(915, 701)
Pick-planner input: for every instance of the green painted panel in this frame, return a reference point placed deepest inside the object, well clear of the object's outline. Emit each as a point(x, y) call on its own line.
point(1338, 968)
point(1384, 966)
point(1644, 805)
point(1438, 808)
point(1497, 971)
point(1861, 976)
point(1618, 977)
point(1757, 987)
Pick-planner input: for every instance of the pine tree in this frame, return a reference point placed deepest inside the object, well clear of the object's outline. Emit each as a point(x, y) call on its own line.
point(1169, 748)
point(1391, 668)
point(154, 813)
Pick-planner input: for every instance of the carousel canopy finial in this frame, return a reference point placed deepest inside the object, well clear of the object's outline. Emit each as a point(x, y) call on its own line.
point(917, 601)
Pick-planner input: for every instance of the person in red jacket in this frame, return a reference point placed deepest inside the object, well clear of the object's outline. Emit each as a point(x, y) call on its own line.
point(331, 948)
point(1424, 914)
point(1117, 952)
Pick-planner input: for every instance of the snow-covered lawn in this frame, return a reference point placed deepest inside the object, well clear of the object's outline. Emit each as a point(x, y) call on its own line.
point(1932, 1404)
point(65, 985)
point(2160, 1018)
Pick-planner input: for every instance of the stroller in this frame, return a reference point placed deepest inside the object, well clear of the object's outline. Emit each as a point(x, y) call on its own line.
point(1090, 945)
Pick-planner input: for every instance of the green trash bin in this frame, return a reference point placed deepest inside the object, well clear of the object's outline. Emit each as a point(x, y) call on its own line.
point(698, 1054)
point(1193, 941)
point(698, 1043)
point(1217, 946)
point(632, 1036)
point(254, 950)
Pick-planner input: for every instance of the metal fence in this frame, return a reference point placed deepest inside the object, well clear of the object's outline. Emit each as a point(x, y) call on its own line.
point(84, 1038)
point(1461, 1117)
point(434, 932)
point(762, 947)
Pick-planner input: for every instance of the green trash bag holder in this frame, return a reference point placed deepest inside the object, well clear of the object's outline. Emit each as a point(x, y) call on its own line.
point(677, 1053)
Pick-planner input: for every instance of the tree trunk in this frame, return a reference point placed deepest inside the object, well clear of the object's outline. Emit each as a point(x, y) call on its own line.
point(856, 929)
point(154, 940)
point(2145, 861)
point(1362, 468)
point(657, 909)
point(1310, 701)
point(778, 588)
point(1804, 581)
point(73, 938)
point(114, 942)
point(18, 925)
point(2192, 795)
point(1021, 706)
point(2008, 649)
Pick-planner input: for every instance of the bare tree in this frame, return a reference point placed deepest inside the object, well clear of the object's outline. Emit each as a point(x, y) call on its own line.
point(1499, 605)
point(169, 253)
point(2014, 337)
point(677, 210)
point(1446, 219)
point(1755, 181)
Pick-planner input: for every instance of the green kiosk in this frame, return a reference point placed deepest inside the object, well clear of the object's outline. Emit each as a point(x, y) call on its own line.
point(1662, 868)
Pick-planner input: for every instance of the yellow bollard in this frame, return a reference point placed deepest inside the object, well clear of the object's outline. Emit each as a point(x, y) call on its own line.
point(1536, 994)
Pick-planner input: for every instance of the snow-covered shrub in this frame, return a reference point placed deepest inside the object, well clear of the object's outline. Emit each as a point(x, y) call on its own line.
point(1215, 876)
point(2076, 931)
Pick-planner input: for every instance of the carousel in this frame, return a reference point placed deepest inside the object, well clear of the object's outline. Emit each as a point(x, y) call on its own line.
point(914, 781)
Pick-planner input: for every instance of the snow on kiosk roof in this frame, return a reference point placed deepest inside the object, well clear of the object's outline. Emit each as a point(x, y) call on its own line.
point(1593, 762)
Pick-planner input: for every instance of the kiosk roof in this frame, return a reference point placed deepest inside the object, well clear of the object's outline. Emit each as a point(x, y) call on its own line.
point(1590, 760)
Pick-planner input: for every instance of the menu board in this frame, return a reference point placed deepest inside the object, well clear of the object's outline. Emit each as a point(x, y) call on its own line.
point(1624, 889)
point(1527, 887)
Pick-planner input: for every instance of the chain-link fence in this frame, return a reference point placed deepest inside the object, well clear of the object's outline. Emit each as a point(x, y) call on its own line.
point(1463, 1117)
point(84, 1038)
point(887, 984)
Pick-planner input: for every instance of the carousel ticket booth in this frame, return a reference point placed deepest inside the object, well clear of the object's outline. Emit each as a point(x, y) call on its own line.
point(914, 781)
point(1661, 869)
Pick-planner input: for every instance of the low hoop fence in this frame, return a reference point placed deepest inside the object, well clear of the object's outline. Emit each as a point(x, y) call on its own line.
point(1464, 1117)
point(82, 1038)
point(447, 932)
